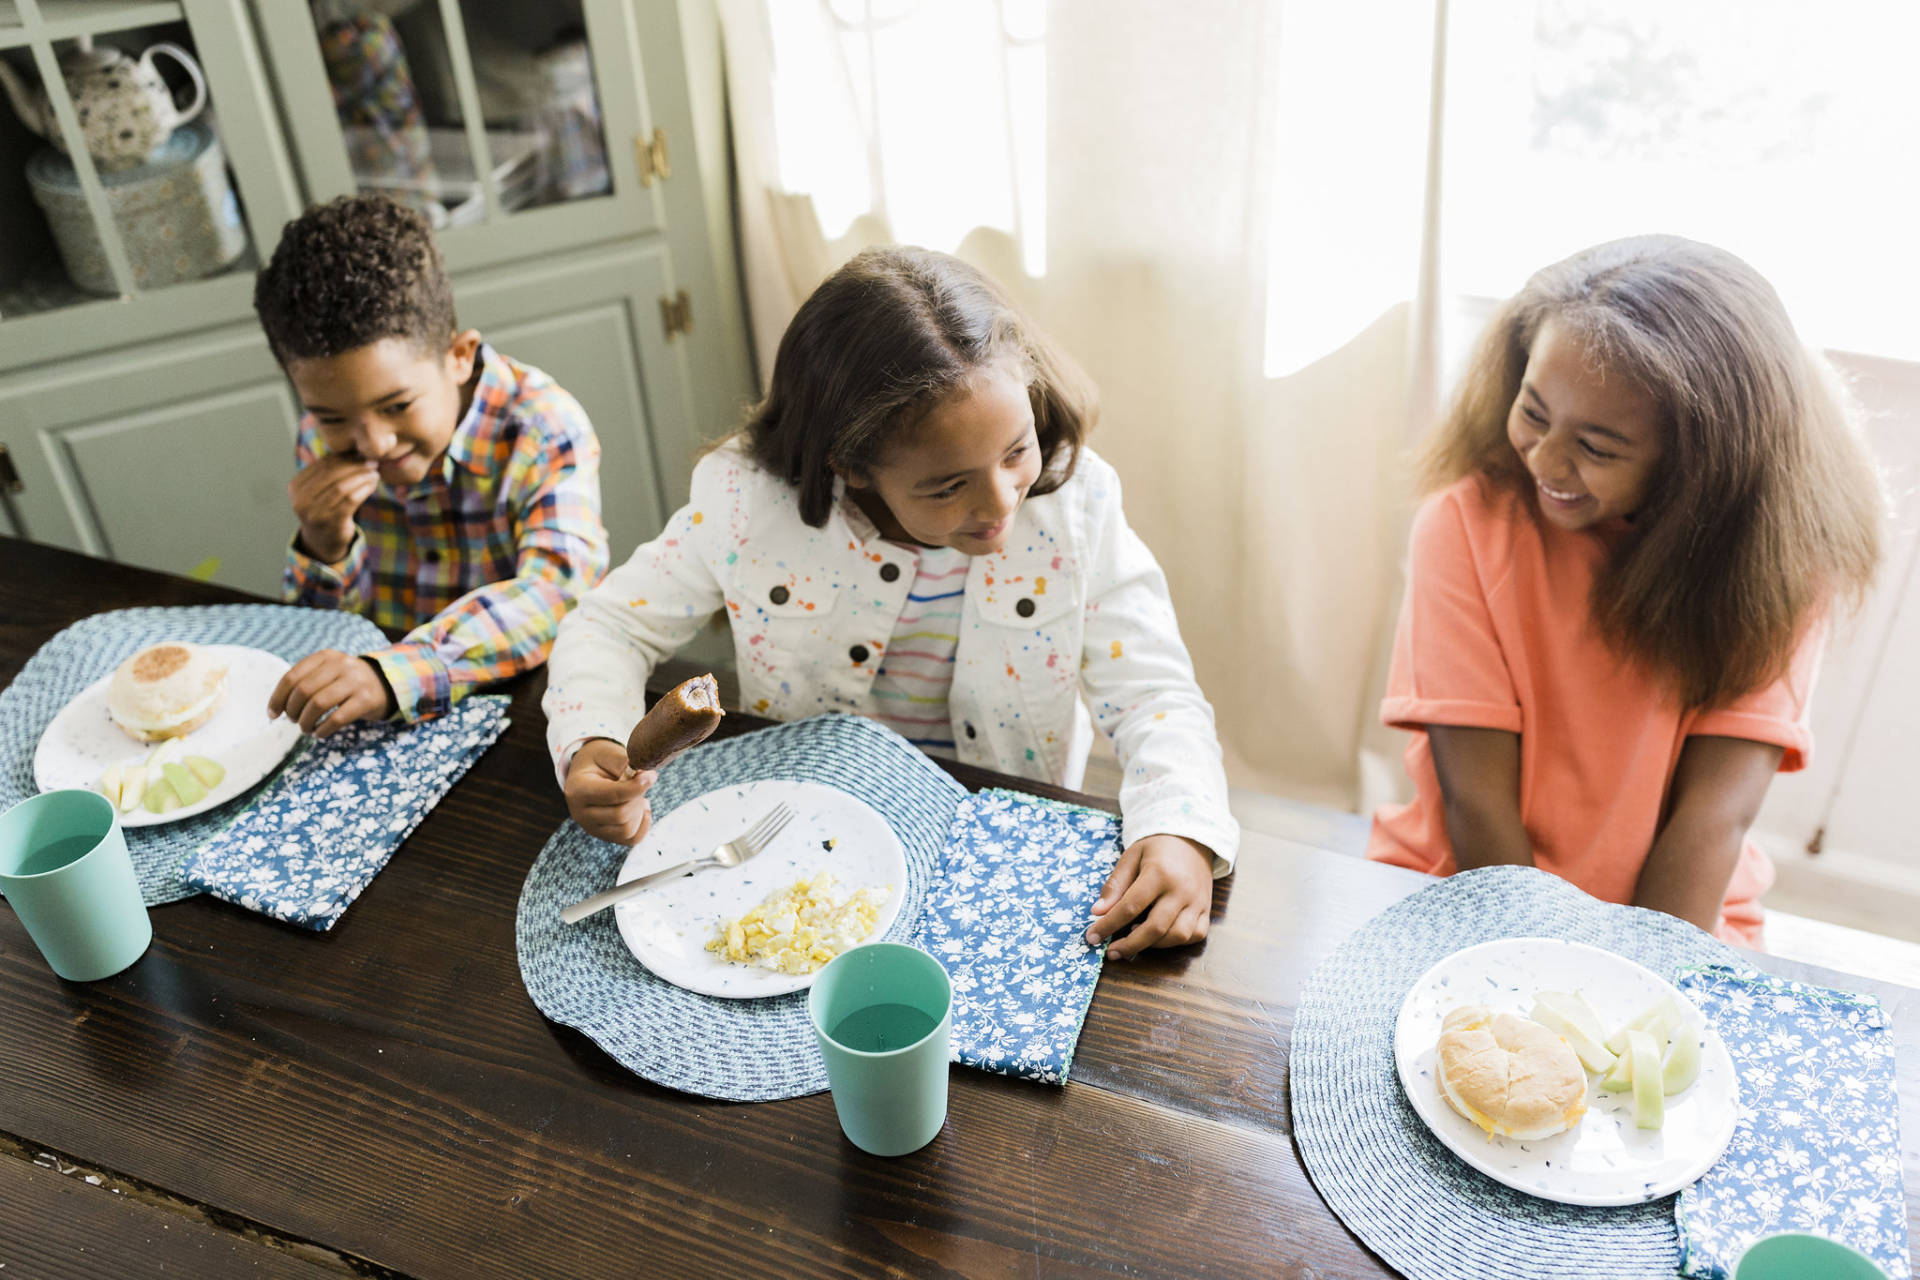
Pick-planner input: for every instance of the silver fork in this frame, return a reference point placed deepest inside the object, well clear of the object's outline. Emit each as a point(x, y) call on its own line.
point(731, 854)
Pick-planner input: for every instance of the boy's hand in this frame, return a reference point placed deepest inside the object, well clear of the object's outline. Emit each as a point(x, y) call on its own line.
point(325, 493)
point(1165, 883)
point(351, 688)
point(606, 797)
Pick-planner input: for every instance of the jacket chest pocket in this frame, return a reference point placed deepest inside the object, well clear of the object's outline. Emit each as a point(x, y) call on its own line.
point(783, 620)
point(1034, 616)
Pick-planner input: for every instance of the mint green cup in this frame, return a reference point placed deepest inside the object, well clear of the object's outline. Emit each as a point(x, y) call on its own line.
point(1797, 1255)
point(65, 871)
point(881, 1014)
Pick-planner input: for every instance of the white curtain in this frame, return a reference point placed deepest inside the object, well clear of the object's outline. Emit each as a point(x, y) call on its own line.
point(1232, 213)
point(1146, 245)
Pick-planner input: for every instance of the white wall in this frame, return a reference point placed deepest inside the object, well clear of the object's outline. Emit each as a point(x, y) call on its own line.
point(1854, 803)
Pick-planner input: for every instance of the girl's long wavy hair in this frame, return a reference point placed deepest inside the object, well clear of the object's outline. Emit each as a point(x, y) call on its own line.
point(878, 344)
point(1765, 508)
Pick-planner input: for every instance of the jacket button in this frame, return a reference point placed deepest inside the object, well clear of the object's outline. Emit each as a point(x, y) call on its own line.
point(971, 731)
point(1024, 608)
point(889, 572)
point(431, 557)
point(858, 653)
point(779, 595)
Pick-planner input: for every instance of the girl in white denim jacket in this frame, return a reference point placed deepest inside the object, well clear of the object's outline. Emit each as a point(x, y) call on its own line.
point(917, 429)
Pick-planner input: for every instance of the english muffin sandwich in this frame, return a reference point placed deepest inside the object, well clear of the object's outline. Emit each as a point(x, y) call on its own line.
point(1509, 1074)
point(166, 691)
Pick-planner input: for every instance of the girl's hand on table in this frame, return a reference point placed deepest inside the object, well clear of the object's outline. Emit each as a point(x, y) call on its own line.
point(606, 797)
point(1163, 885)
point(328, 680)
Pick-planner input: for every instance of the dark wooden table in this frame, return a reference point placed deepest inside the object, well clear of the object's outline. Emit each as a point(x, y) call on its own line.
point(384, 1099)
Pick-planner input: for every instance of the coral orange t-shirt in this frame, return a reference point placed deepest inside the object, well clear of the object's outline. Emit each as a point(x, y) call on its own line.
point(1496, 633)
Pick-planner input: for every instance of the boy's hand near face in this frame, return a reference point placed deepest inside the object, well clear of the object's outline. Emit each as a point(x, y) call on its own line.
point(351, 688)
point(605, 796)
point(1165, 883)
point(325, 494)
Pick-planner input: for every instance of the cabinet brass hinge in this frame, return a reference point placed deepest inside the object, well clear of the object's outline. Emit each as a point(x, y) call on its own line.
point(651, 153)
point(10, 478)
point(676, 313)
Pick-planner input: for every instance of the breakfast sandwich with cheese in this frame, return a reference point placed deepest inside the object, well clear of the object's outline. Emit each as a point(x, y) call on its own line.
point(166, 691)
point(1509, 1074)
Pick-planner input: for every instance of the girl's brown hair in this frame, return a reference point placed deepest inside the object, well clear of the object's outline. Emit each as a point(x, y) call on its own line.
point(880, 342)
point(1765, 507)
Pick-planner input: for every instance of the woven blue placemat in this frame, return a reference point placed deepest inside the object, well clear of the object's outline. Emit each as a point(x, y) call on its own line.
point(1379, 1167)
point(743, 1050)
point(91, 648)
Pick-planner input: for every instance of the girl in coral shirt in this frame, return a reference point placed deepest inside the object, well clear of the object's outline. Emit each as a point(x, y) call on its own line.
point(1642, 503)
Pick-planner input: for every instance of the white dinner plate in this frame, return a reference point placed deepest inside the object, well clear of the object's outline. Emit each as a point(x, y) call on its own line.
point(668, 926)
point(1605, 1159)
point(81, 742)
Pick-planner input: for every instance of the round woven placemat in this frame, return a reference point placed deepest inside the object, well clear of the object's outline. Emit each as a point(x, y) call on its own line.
point(92, 647)
point(1374, 1160)
point(743, 1050)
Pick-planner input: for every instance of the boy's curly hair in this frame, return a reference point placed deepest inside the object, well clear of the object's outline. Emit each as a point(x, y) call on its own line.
point(349, 273)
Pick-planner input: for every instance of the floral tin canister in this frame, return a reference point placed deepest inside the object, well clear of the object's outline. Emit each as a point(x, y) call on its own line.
point(177, 214)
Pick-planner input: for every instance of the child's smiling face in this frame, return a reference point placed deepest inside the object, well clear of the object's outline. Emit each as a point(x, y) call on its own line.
point(962, 470)
point(389, 402)
point(1590, 441)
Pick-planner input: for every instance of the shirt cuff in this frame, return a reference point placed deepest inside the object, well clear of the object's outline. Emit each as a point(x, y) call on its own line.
point(422, 686)
point(1460, 713)
point(319, 583)
point(1795, 740)
point(1220, 835)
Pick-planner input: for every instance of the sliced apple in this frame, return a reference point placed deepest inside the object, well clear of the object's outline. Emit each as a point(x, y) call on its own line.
point(1573, 1020)
point(1683, 1059)
point(1619, 1077)
point(161, 797)
point(133, 787)
point(1658, 1019)
point(210, 772)
point(185, 785)
point(1649, 1096)
point(110, 785)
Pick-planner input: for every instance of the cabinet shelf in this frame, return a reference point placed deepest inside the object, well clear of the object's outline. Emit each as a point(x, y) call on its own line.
point(65, 19)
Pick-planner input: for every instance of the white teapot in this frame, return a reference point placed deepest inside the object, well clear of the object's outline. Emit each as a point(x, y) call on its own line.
point(126, 110)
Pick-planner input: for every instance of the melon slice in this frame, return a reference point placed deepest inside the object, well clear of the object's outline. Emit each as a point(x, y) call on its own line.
point(185, 785)
point(1573, 1020)
point(1683, 1059)
point(210, 771)
point(161, 797)
point(1657, 1019)
point(1649, 1095)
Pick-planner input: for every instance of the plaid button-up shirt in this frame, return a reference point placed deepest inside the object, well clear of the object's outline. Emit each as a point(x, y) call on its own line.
point(483, 557)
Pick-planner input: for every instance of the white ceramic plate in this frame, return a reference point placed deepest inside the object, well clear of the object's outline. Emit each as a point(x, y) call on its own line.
point(1604, 1160)
point(81, 742)
point(668, 926)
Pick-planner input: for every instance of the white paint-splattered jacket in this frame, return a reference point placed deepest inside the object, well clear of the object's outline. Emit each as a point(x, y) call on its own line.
point(1074, 607)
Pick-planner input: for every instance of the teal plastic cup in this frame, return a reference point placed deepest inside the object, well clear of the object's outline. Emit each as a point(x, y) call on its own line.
point(64, 869)
point(881, 1013)
point(1797, 1255)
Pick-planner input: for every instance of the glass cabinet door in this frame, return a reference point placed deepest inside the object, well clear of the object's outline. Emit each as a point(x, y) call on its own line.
point(516, 127)
point(133, 168)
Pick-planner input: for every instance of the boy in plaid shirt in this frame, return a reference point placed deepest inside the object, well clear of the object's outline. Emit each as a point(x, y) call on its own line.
point(443, 488)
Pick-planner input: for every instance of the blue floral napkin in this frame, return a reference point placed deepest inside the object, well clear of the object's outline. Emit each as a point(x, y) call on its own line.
point(1817, 1147)
point(1007, 914)
point(311, 841)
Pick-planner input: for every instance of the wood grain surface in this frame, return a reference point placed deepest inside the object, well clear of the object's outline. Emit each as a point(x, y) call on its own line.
point(388, 1090)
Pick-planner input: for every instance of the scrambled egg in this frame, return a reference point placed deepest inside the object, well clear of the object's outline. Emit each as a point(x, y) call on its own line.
point(800, 928)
